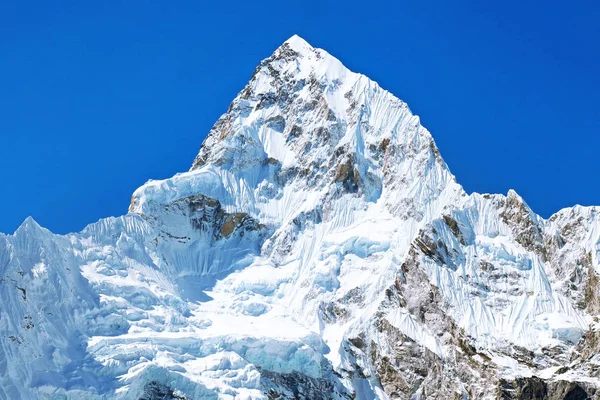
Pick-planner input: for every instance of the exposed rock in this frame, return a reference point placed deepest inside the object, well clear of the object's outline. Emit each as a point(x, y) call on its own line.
point(157, 391)
point(287, 386)
point(519, 217)
point(453, 225)
point(207, 214)
point(347, 174)
point(534, 388)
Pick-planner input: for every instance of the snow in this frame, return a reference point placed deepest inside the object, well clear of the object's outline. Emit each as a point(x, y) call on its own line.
point(165, 295)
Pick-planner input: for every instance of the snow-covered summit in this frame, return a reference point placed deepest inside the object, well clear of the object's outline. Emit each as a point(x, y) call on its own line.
point(319, 247)
point(298, 44)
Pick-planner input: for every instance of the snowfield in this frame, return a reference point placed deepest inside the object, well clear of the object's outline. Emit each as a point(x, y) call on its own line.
point(318, 248)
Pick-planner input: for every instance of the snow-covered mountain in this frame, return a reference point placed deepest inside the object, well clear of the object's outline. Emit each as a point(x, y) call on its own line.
point(318, 248)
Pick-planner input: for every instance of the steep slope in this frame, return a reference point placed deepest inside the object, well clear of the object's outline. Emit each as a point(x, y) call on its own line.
point(319, 247)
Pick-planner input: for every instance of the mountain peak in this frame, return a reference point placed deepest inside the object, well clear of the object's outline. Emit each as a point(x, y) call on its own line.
point(303, 115)
point(298, 44)
point(29, 224)
point(319, 246)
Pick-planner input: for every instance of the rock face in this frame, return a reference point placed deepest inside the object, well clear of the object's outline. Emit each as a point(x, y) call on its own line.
point(318, 248)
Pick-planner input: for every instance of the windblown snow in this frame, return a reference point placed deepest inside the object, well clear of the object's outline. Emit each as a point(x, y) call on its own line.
point(319, 247)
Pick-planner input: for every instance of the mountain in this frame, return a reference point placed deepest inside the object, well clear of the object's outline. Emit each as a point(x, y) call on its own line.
point(318, 248)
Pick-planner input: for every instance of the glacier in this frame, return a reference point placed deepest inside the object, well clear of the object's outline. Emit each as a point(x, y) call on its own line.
point(319, 248)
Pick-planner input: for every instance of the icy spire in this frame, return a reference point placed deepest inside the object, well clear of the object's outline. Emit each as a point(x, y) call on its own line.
point(29, 225)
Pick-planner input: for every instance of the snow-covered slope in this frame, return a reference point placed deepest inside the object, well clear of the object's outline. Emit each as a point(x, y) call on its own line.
point(319, 247)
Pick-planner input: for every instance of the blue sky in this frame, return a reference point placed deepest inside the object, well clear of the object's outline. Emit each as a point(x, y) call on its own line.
point(98, 97)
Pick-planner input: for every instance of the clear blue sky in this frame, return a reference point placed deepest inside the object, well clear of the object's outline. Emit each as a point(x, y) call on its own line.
point(97, 98)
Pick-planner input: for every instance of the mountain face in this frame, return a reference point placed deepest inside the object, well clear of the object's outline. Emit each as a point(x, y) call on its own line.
point(318, 248)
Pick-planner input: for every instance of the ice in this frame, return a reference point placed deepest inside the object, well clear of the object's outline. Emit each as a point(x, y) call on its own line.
point(305, 210)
